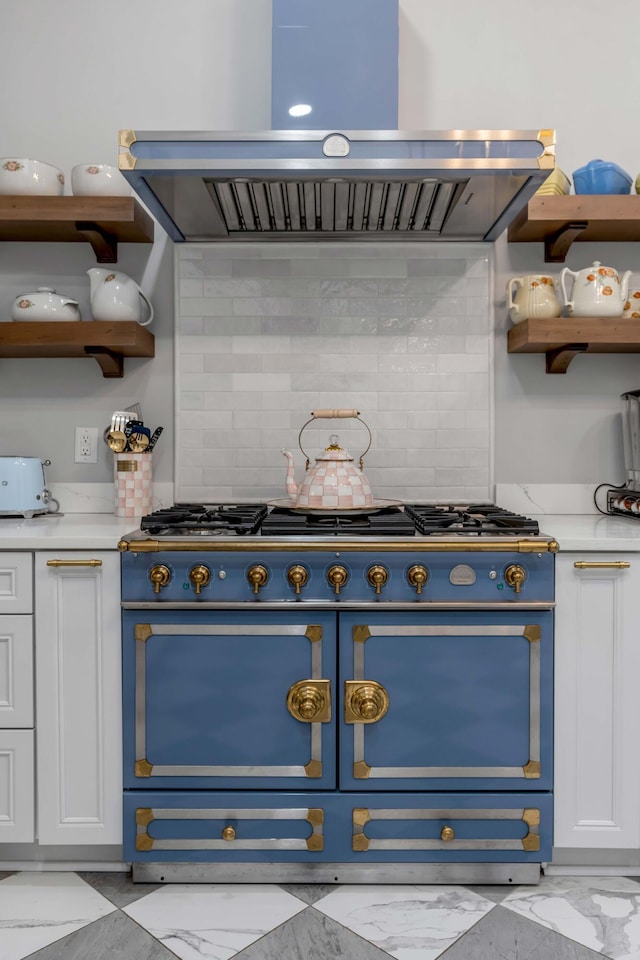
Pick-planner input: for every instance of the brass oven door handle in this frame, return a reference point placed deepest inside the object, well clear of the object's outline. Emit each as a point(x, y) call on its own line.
point(603, 564)
point(310, 701)
point(74, 563)
point(365, 701)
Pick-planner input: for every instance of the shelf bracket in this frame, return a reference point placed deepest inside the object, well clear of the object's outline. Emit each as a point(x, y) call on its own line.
point(105, 244)
point(111, 364)
point(558, 360)
point(556, 246)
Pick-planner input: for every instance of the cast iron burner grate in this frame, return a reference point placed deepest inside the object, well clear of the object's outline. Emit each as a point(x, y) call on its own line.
point(386, 522)
point(195, 519)
point(470, 520)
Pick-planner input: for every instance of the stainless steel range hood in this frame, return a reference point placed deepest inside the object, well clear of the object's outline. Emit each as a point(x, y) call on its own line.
point(336, 185)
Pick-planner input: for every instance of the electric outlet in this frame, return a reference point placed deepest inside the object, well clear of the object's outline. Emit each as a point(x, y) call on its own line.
point(86, 445)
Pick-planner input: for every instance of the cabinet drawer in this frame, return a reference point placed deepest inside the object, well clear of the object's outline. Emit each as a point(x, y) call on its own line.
point(358, 828)
point(16, 786)
point(16, 583)
point(16, 671)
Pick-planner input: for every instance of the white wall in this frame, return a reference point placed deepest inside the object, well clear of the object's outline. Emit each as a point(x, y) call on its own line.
point(88, 70)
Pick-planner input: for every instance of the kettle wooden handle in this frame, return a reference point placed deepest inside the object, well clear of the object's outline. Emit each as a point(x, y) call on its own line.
point(334, 414)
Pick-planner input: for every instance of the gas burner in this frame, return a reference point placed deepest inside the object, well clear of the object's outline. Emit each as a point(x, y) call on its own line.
point(482, 520)
point(193, 519)
point(387, 521)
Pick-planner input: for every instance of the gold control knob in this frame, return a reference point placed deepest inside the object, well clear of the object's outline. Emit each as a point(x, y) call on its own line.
point(228, 834)
point(417, 576)
point(337, 577)
point(199, 576)
point(257, 576)
point(297, 576)
point(159, 576)
point(365, 701)
point(515, 576)
point(377, 575)
point(447, 833)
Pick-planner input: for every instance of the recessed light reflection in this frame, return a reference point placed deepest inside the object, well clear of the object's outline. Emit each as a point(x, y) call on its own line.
point(300, 110)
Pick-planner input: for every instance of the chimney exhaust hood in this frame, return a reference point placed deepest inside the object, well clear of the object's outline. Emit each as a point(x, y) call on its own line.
point(335, 69)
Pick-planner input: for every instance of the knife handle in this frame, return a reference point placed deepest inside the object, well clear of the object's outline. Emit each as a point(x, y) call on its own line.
point(154, 438)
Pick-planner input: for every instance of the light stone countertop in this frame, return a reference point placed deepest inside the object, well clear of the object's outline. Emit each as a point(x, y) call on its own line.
point(102, 531)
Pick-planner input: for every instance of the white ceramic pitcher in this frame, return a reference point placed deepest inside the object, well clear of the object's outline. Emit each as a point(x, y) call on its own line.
point(597, 291)
point(115, 296)
point(532, 296)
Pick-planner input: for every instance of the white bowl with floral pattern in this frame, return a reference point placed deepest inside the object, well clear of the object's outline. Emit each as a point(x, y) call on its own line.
point(98, 180)
point(20, 177)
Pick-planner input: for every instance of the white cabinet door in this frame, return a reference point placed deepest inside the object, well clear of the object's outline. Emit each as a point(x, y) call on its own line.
point(78, 698)
point(597, 706)
point(16, 786)
point(16, 671)
point(16, 582)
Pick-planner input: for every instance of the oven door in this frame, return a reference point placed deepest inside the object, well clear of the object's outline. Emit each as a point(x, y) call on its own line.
point(458, 700)
point(234, 699)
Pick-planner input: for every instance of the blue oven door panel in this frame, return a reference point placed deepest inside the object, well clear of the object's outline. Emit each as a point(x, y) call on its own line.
point(216, 699)
point(458, 700)
point(257, 827)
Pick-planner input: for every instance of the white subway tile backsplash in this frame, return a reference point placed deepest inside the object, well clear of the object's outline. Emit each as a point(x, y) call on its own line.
point(265, 333)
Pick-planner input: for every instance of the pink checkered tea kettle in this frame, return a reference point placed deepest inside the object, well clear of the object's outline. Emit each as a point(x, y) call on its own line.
point(334, 483)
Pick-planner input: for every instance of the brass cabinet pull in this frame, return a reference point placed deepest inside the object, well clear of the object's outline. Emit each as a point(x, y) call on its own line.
point(310, 701)
point(447, 833)
point(228, 834)
point(365, 701)
point(606, 564)
point(74, 563)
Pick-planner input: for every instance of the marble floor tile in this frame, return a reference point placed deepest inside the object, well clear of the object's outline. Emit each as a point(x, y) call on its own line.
point(602, 913)
point(309, 892)
point(409, 922)
point(6, 873)
point(37, 909)
point(114, 937)
point(213, 920)
point(118, 887)
point(311, 936)
point(504, 935)
point(495, 892)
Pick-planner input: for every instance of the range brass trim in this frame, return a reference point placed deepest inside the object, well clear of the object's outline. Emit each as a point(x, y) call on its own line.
point(360, 633)
point(228, 834)
point(547, 138)
point(315, 816)
point(447, 834)
point(313, 632)
point(360, 842)
point(309, 701)
point(144, 816)
point(143, 768)
point(313, 769)
point(531, 817)
point(531, 769)
point(144, 842)
point(315, 842)
point(361, 770)
point(531, 842)
point(532, 632)
point(417, 545)
point(142, 632)
point(126, 138)
point(361, 816)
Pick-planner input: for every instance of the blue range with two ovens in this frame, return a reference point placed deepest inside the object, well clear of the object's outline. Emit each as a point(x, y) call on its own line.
point(338, 699)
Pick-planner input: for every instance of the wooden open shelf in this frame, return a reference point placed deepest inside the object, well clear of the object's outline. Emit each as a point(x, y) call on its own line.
point(562, 338)
point(105, 341)
point(560, 221)
point(101, 221)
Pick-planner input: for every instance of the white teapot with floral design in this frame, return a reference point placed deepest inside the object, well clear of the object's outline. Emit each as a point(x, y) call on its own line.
point(597, 291)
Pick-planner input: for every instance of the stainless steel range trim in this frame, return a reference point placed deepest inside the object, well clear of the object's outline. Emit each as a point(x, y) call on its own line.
point(362, 769)
point(433, 813)
point(363, 843)
point(417, 604)
point(453, 873)
point(145, 768)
